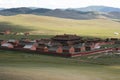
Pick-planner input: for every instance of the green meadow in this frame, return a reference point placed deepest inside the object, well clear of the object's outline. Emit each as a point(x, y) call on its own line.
point(27, 66)
point(43, 25)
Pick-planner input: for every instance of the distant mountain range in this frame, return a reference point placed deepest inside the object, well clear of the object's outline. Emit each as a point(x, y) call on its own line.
point(97, 8)
point(90, 12)
point(1, 8)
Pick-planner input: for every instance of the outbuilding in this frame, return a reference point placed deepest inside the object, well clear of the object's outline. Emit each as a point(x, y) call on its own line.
point(79, 47)
point(56, 49)
point(7, 45)
point(29, 47)
point(68, 49)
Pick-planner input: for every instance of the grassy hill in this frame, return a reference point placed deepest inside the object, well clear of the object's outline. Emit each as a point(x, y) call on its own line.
point(51, 25)
point(24, 66)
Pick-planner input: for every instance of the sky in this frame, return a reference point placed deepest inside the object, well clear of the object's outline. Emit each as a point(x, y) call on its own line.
point(57, 3)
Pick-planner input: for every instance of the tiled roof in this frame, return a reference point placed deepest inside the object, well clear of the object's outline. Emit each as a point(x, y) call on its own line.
point(78, 45)
point(53, 49)
point(27, 43)
point(27, 46)
point(66, 37)
point(11, 40)
point(66, 47)
point(6, 44)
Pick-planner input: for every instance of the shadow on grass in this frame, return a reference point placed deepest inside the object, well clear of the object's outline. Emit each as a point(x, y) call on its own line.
point(12, 27)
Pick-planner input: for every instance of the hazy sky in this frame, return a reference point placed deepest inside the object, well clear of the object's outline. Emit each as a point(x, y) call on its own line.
point(57, 3)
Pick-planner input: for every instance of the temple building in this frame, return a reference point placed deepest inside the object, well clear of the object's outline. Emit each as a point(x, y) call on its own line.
point(67, 39)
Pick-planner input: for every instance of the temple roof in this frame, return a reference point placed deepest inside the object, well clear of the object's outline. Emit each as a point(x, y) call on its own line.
point(66, 37)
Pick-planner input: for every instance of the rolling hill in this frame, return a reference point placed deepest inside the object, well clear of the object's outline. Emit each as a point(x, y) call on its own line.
point(23, 10)
point(87, 13)
point(52, 26)
point(49, 12)
point(98, 9)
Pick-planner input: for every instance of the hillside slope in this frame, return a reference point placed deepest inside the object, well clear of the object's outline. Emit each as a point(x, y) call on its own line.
point(52, 25)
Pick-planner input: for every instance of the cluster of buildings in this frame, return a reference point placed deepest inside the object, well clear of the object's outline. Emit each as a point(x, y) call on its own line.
point(8, 32)
point(5, 32)
point(59, 44)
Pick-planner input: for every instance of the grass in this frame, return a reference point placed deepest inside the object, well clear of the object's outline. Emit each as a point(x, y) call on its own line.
point(102, 59)
point(44, 25)
point(25, 66)
point(6, 37)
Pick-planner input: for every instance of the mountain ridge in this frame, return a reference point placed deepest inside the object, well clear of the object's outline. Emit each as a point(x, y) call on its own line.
point(97, 8)
point(90, 12)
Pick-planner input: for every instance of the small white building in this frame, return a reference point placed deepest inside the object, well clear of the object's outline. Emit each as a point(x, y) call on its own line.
point(30, 47)
point(7, 45)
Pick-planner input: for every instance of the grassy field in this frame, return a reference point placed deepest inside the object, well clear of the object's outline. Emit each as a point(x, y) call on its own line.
point(25, 66)
point(32, 37)
point(44, 25)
